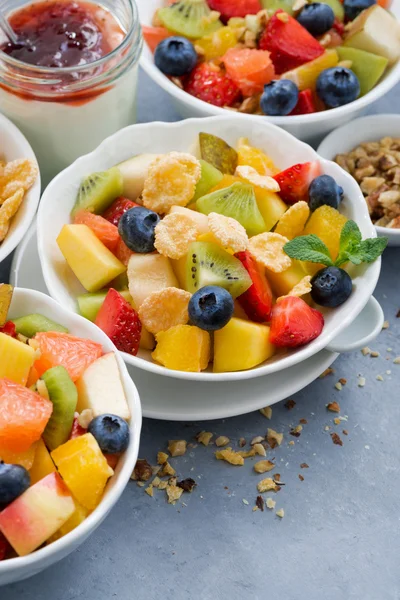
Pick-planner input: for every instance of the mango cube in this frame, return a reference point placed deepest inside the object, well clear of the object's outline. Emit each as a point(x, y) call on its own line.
point(37, 514)
point(283, 283)
point(84, 469)
point(77, 517)
point(305, 76)
point(183, 348)
point(241, 345)
point(25, 459)
point(16, 359)
point(93, 264)
point(42, 465)
point(327, 223)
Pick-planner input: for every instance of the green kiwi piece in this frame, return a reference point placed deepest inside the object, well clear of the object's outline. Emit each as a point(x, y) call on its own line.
point(210, 177)
point(209, 264)
point(237, 201)
point(64, 396)
point(273, 5)
point(218, 153)
point(90, 304)
point(98, 190)
point(368, 67)
point(190, 18)
point(30, 325)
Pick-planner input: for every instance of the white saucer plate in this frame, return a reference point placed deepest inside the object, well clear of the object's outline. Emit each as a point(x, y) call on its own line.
point(178, 400)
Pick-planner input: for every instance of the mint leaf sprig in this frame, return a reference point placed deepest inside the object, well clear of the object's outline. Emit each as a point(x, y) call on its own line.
point(352, 248)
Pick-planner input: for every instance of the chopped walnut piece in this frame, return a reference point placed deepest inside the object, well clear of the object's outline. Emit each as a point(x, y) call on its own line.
point(267, 412)
point(296, 431)
point(166, 470)
point(149, 490)
point(174, 493)
point(260, 502)
point(260, 450)
point(333, 407)
point(162, 458)
point(365, 351)
point(156, 482)
point(177, 447)
point(343, 381)
point(162, 485)
point(263, 466)
point(142, 470)
point(204, 437)
point(375, 354)
point(222, 440)
point(187, 485)
point(304, 466)
point(241, 442)
point(274, 438)
point(345, 432)
point(336, 439)
point(303, 421)
point(385, 325)
point(267, 485)
point(270, 503)
point(230, 456)
point(337, 421)
point(290, 404)
point(301, 477)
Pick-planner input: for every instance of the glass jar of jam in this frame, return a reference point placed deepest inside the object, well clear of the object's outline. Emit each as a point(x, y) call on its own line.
point(71, 79)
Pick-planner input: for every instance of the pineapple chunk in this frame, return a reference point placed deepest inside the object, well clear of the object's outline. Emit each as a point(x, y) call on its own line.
point(241, 345)
point(283, 283)
point(305, 76)
point(148, 273)
point(183, 348)
point(16, 359)
point(327, 223)
point(42, 465)
point(93, 264)
point(375, 30)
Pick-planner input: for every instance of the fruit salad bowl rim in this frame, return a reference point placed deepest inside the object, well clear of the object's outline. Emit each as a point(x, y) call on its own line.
point(16, 569)
point(14, 145)
point(135, 137)
point(388, 81)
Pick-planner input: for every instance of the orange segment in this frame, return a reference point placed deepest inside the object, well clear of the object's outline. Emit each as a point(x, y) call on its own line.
point(327, 223)
point(105, 231)
point(254, 157)
point(23, 416)
point(250, 69)
point(73, 353)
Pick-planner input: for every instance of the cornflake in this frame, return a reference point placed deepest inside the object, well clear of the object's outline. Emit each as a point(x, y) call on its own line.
point(273, 438)
point(300, 289)
point(162, 458)
point(267, 485)
point(174, 234)
point(262, 181)
point(167, 470)
point(177, 447)
point(292, 222)
point(174, 493)
point(222, 440)
point(204, 437)
point(267, 250)
point(229, 232)
point(149, 490)
point(165, 309)
point(263, 466)
point(266, 412)
point(8, 209)
point(230, 456)
point(171, 180)
point(15, 175)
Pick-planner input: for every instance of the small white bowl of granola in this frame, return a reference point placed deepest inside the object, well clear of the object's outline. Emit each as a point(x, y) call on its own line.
point(19, 186)
point(369, 149)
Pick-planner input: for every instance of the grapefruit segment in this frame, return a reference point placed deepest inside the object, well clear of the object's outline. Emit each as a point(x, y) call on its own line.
point(105, 231)
point(250, 69)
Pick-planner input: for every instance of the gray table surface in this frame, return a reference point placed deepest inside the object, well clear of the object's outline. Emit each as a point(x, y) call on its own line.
point(339, 538)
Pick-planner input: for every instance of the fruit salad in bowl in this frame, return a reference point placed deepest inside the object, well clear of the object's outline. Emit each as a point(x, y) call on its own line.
point(223, 257)
point(69, 431)
point(287, 60)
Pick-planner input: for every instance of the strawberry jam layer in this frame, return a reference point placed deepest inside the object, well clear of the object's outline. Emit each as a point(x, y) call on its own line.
point(61, 33)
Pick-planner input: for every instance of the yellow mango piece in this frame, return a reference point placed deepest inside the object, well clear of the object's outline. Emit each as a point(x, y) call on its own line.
point(183, 348)
point(43, 464)
point(16, 359)
point(25, 459)
point(218, 43)
point(241, 345)
point(179, 269)
point(80, 514)
point(249, 156)
point(327, 223)
point(84, 469)
point(93, 264)
point(305, 76)
point(283, 283)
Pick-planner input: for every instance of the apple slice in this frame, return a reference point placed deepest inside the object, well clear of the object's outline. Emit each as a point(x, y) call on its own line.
point(377, 32)
point(134, 172)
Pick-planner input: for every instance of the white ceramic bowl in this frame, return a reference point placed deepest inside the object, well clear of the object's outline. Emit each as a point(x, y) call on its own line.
point(14, 145)
point(305, 127)
point(284, 149)
point(366, 129)
point(28, 301)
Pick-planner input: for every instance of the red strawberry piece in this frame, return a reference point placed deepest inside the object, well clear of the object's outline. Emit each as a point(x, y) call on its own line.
point(289, 43)
point(117, 209)
point(212, 86)
point(235, 8)
point(9, 329)
point(295, 181)
point(3, 547)
point(338, 26)
point(305, 104)
point(77, 430)
point(257, 300)
point(294, 323)
point(120, 322)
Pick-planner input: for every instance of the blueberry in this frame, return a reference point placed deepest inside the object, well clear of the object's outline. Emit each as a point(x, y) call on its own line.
point(136, 227)
point(175, 56)
point(279, 97)
point(111, 433)
point(337, 86)
point(353, 8)
point(211, 308)
point(331, 287)
point(14, 480)
point(317, 18)
point(324, 190)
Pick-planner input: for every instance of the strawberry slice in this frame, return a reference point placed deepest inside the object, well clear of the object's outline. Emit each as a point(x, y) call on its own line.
point(338, 26)
point(305, 104)
point(295, 181)
point(154, 35)
point(9, 329)
point(237, 8)
point(77, 430)
point(289, 43)
point(294, 323)
point(212, 85)
point(257, 300)
point(117, 209)
point(120, 322)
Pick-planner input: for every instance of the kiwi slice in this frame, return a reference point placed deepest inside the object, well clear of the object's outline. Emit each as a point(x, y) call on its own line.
point(191, 18)
point(218, 153)
point(64, 396)
point(30, 325)
point(237, 201)
point(98, 190)
point(209, 264)
point(90, 304)
point(273, 5)
point(210, 177)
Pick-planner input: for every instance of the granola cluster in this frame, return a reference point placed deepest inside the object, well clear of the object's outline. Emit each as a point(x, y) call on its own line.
point(376, 168)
